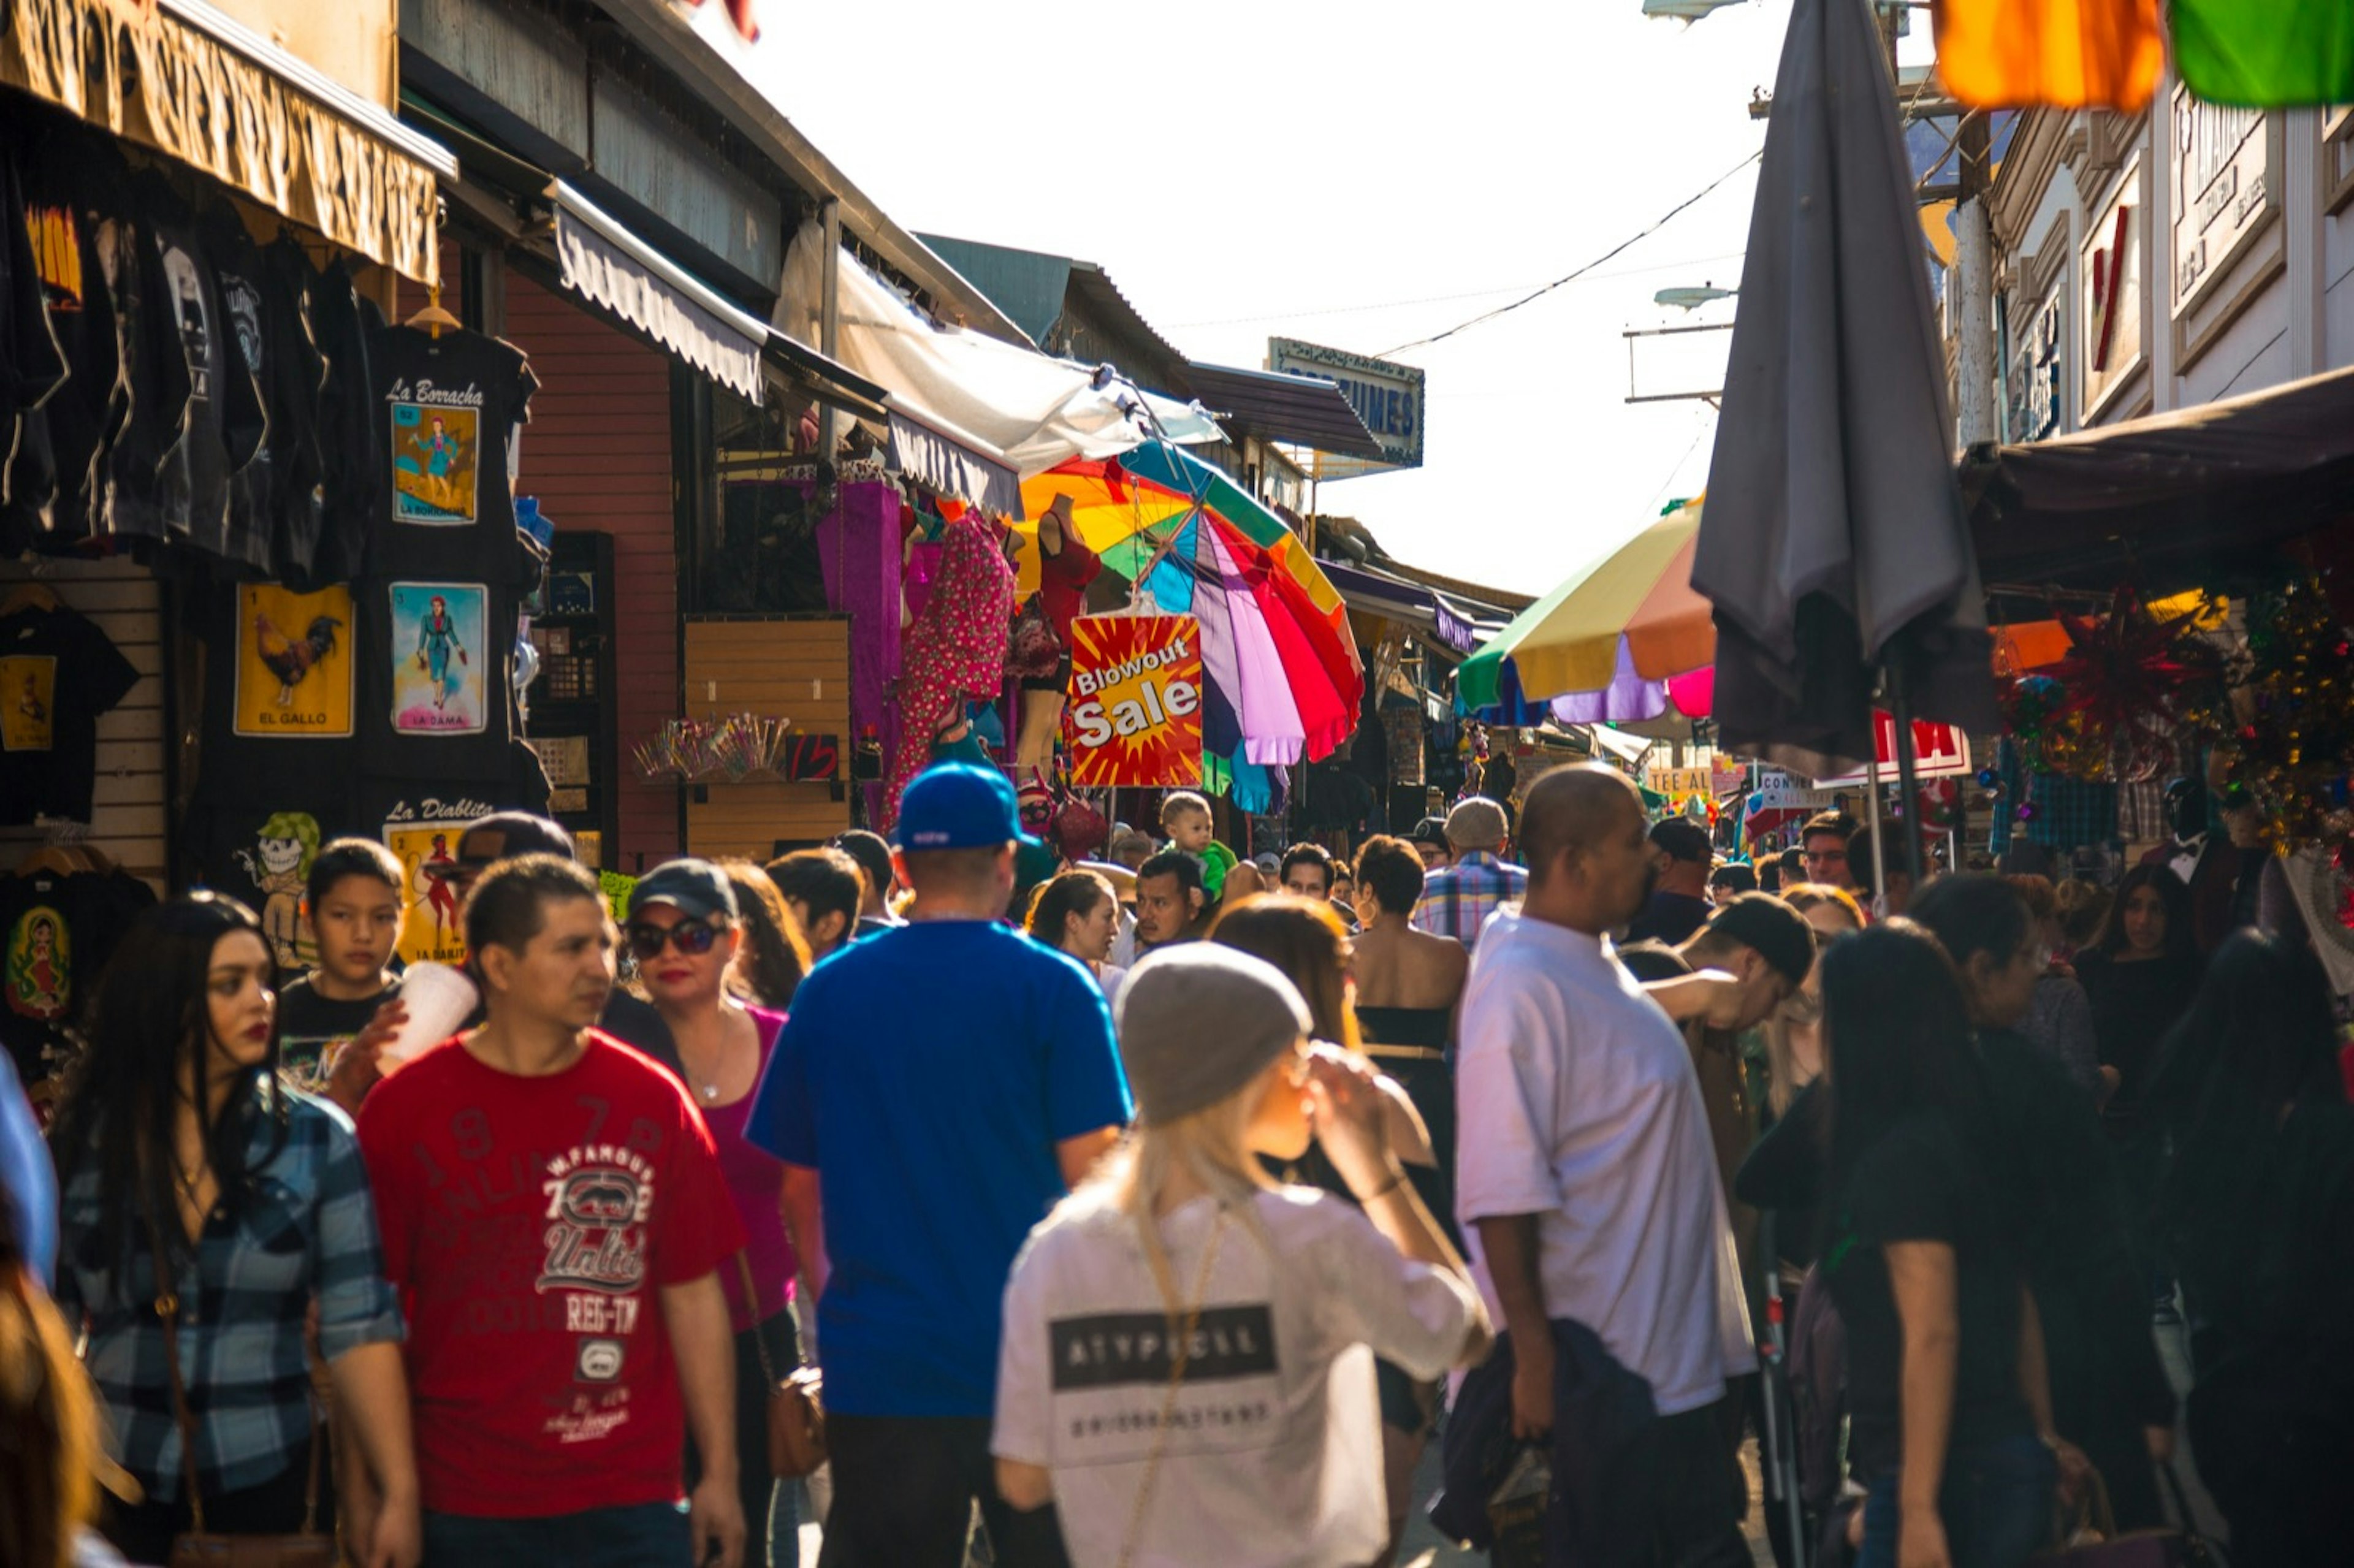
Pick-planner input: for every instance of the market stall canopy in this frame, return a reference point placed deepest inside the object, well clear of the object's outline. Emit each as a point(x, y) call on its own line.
point(1632, 606)
point(1835, 546)
point(1303, 410)
point(1454, 621)
point(194, 82)
point(1012, 406)
point(2169, 498)
point(604, 262)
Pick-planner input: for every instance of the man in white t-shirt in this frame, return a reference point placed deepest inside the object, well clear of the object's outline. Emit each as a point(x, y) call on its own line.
point(1587, 1188)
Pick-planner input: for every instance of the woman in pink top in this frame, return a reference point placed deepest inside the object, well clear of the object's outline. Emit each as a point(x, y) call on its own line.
point(688, 928)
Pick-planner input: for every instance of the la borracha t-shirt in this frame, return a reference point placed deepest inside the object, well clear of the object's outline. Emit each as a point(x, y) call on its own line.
point(1274, 1446)
point(927, 1075)
point(530, 1224)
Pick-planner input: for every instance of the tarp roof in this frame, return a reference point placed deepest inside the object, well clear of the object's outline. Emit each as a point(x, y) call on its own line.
point(2171, 498)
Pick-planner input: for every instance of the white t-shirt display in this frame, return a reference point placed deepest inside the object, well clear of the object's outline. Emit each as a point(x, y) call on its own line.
point(1274, 1452)
point(1576, 1102)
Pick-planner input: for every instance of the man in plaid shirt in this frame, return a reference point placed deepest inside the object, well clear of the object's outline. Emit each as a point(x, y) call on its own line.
point(1458, 901)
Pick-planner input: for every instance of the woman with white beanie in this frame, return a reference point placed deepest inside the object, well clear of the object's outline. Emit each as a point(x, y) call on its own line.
point(1187, 1366)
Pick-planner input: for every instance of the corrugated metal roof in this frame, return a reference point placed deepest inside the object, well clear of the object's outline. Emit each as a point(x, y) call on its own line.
point(1305, 411)
point(1027, 285)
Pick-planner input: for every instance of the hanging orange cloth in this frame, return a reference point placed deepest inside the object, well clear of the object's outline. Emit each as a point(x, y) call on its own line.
point(2067, 54)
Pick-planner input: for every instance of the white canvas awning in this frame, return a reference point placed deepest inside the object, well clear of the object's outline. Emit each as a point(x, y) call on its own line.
point(604, 262)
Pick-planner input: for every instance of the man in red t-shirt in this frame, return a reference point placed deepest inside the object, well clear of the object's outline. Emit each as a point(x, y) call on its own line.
point(554, 1217)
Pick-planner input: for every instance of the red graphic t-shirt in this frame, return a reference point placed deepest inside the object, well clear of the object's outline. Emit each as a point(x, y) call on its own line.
point(530, 1224)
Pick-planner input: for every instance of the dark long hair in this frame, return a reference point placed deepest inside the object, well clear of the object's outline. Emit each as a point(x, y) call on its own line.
point(152, 1019)
point(2182, 931)
point(2259, 1038)
point(776, 955)
point(1898, 1027)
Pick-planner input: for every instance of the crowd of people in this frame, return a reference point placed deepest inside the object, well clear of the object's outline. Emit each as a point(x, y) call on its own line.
point(1166, 1208)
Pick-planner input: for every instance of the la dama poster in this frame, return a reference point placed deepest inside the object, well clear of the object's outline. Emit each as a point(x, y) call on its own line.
point(1134, 714)
point(440, 667)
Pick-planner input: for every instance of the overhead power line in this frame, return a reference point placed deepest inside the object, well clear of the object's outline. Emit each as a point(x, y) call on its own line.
point(1615, 251)
point(1446, 298)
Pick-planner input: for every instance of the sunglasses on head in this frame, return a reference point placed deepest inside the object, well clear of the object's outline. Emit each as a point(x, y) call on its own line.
point(692, 937)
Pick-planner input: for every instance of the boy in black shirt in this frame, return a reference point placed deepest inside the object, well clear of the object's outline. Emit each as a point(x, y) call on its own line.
point(354, 902)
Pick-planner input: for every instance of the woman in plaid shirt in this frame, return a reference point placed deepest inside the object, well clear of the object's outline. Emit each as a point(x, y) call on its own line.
point(177, 1132)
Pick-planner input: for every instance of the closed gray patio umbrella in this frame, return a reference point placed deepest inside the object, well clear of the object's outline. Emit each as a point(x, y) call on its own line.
point(1833, 545)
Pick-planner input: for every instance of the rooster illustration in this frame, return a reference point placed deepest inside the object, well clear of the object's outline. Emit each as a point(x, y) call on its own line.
point(290, 659)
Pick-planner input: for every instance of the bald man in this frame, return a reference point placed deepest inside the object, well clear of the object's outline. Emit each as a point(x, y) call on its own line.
point(1588, 1191)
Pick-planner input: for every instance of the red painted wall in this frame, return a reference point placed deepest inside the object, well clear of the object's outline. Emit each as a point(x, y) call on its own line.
point(597, 453)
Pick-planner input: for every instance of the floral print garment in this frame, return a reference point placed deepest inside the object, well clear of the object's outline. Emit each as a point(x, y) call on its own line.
point(955, 650)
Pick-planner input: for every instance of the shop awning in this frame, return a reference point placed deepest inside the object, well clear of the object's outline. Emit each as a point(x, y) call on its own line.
point(191, 81)
point(2169, 498)
point(1453, 622)
point(606, 263)
point(1304, 411)
point(954, 463)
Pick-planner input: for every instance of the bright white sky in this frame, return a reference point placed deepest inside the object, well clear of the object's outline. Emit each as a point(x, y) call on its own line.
point(1355, 173)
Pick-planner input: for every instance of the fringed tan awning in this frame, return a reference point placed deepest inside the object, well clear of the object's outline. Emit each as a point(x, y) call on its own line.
point(186, 79)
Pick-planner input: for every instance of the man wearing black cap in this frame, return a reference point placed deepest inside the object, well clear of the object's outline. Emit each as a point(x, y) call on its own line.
point(935, 1091)
point(1679, 903)
point(873, 858)
point(1429, 841)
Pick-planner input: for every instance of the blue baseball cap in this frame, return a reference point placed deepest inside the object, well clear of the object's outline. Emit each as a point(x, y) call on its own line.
point(959, 805)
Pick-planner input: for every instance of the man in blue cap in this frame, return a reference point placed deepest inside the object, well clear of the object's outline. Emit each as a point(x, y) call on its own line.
point(935, 1090)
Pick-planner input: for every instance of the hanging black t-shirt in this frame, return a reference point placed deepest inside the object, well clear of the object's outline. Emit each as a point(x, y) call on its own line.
point(223, 424)
point(255, 842)
point(258, 319)
point(295, 389)
point(57, 673)
point(453, 409)
point(312, 1028)
point(55, 934)
point(422, 824)
point(49, 480)
point(1919, 1183)
point(154, 367)
point(435, 679)
point(353, 504)
point(30, 364)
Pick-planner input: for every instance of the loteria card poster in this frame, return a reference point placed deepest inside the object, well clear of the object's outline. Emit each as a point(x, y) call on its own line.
point(1134, 718)
point(440, 664)
point(293, 661)
point(435, 450)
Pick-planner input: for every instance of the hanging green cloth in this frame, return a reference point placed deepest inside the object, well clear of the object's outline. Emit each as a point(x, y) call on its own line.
point(2264, 54)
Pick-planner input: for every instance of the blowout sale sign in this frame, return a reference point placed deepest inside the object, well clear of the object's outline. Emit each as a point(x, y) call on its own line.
point(1134, 718)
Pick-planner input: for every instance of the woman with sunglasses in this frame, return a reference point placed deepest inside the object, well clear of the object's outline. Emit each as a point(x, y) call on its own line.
point(685, 930)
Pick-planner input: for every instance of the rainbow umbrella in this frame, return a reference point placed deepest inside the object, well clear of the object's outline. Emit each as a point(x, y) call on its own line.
point(1282, 666)
point(1618, 629)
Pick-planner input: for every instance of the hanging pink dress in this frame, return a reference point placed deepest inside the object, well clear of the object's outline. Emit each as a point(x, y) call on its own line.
point(956, 648)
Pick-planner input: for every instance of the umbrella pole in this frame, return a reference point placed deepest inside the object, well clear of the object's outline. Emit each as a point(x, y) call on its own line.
point(1900, 705)
point(1872, 811)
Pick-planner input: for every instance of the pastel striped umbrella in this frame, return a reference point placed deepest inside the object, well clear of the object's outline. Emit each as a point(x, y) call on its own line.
point(1631, 615)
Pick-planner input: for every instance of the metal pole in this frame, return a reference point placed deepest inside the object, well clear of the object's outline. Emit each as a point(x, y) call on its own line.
point(829, 324)
point(1899, 707)
point(1872, 809)
point(1974, 265)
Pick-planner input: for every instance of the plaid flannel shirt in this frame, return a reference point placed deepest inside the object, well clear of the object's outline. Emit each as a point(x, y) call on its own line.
point(1458, 901)
point(308, 1233)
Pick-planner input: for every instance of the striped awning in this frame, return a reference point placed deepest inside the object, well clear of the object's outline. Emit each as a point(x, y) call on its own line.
point(604, 262)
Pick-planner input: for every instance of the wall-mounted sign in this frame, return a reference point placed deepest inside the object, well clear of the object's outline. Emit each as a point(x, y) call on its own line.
point(2109, 282)
point(2036, 396)
point(1134, 718)
point(2223, 187)
point(1386, 396)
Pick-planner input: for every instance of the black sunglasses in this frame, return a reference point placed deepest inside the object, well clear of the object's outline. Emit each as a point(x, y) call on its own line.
point(693, 938)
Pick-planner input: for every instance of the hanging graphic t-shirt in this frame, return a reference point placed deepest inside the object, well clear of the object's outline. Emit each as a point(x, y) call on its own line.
point(256, 318)
point(355, 504)
point(281, 669)
point(436, 679)
point(255, 841)
point(421, 824)
point(57, 674)
point(47, 485)
point(1274, 1434)
point(452, 411)
point(312, 1028)
point(294, 392)
point(223, 424)
point(55, 934)
point(30, 365)
point(155, 368)
point(530, 1224)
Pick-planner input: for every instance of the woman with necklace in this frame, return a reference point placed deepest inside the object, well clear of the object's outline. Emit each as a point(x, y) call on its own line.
point(685, 930)
point(208, 1210)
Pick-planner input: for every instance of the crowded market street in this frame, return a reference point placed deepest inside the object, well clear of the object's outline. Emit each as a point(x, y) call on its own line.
point(702, 862)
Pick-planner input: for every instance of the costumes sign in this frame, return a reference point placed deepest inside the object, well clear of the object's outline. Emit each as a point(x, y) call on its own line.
point(1135, 713)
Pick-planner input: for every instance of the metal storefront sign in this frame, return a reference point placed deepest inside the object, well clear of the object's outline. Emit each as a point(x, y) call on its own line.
point(1388, 397)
